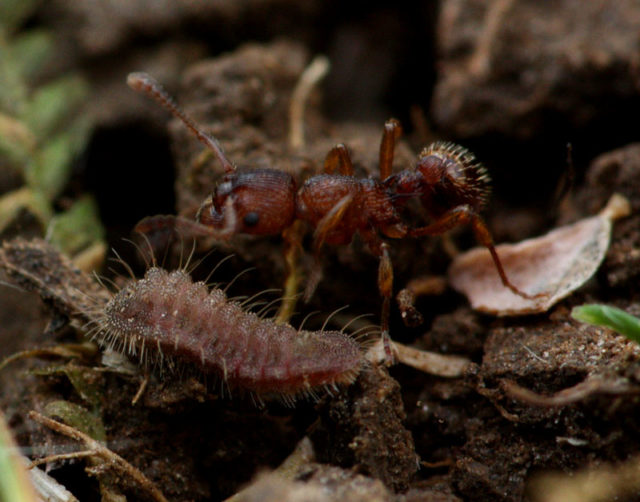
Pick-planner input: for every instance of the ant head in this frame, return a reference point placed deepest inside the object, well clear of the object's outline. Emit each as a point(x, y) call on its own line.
point(257, 202)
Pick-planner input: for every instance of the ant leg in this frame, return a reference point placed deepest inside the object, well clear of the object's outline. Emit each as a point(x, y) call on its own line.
point(392, 131)
point(420, 286)
point(160, 232)
point(464, 214)
point(455, 217)
point(163, 227)
point(328, 222)
point(162, 223)
point(385, 286)
point(338, 158)
point(411, 317)
point(292, 247)
point(230, 218)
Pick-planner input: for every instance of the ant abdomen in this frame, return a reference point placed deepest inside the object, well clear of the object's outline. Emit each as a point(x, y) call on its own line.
point(446, 175)
point(256, 202)
point(454, 176)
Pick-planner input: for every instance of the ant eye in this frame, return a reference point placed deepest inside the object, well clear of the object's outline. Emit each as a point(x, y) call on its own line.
point(251, 219)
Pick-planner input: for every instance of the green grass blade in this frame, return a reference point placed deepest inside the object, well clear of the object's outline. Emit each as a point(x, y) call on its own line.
point(14, 481)
point(610, 317)
point(30, 51)
point(51, 105)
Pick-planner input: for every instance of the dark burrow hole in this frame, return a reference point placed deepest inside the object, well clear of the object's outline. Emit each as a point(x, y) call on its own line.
point(130, 172)
point(72, 476)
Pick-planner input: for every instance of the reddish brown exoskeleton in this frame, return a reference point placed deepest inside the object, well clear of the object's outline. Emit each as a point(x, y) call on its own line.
point(453, 187)
point(447, 180)
point(267, 201)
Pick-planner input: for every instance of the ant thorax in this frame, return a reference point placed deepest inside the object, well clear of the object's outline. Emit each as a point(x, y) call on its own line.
point(320, 194)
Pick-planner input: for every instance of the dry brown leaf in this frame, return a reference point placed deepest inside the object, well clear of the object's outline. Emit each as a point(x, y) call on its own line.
point(556, 263)
point(442, 365)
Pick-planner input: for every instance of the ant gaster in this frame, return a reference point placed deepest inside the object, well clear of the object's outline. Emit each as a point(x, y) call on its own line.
point(450, 184)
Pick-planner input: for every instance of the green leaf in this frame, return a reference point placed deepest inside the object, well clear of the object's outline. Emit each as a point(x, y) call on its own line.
point(14, 483)
point(11, 203)
point(52, 105)
point(77, 228)
point(50, 171)
point(30, 51)
point(13, 93)
point(17, 144)
point(14, 12)
point(80, 378)
point(78, 417)
point(610, 317)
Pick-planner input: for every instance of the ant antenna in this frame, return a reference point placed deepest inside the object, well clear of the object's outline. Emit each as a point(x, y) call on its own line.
point(145, 83)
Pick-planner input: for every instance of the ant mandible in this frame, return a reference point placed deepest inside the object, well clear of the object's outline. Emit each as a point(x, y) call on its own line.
point(450, 184)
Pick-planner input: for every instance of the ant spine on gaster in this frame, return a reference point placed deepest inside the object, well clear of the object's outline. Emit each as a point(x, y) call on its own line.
point(447, 180)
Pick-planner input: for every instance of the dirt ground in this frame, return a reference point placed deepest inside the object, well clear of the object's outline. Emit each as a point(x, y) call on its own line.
point(514, 81)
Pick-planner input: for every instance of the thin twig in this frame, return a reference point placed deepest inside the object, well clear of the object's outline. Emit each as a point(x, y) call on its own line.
point(62, 456)
point(141, 389)
point(69, 351)
point(588, 387)
point(110, 458)
point(480, 61)
point(310, 77)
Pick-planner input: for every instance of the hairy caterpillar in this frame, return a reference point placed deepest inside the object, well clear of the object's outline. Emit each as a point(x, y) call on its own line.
point(169, 320)
point(166, 315)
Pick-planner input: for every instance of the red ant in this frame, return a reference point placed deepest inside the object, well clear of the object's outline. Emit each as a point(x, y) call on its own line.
point(451, 186)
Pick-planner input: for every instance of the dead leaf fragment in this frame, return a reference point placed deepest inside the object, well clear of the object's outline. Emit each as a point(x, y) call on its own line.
point(442, 365)
point(592, 484)
point(556, 264)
